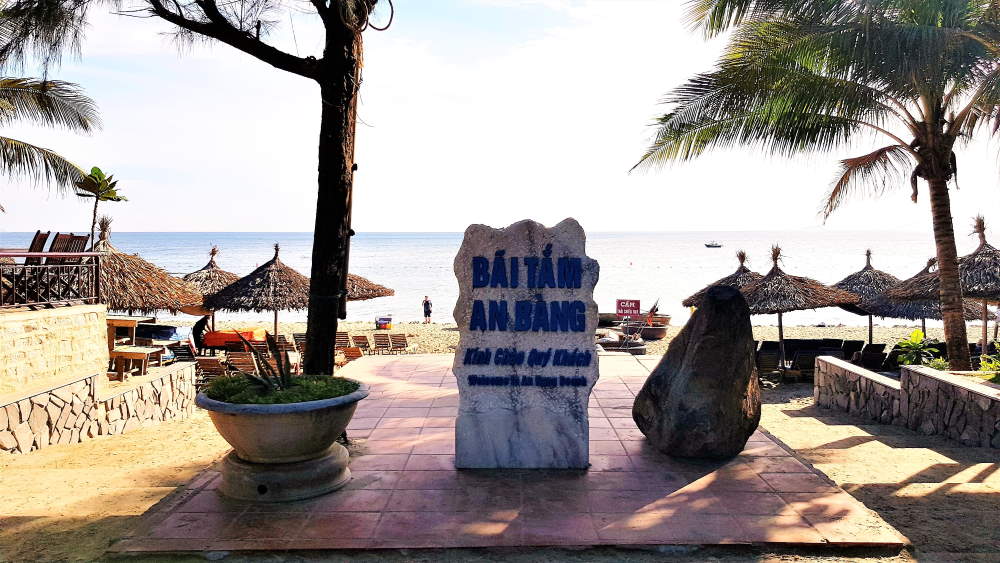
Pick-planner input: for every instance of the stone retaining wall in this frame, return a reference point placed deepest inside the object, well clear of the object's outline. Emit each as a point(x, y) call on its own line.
point(926, 400)
point(78, 411)
point(39, 349)
point(951, 405)
point(850, 388)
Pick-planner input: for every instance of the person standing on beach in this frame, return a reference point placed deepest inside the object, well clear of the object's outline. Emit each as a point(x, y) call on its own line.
point(427, 309)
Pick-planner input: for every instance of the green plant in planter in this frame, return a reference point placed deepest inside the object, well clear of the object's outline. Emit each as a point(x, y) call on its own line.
point(989, 363)
point(275, 383)
point(939, 364)
point(916, 350)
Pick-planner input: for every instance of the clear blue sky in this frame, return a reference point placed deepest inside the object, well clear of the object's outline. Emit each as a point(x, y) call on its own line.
point(473, 111)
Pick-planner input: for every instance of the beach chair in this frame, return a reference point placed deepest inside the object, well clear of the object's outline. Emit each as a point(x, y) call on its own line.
point(300, 342)
point(872, 349)
point(769, 346)
point(182, 352)
point(767, 361)
point(209, 367)
point(803, 364)
point(891, 361)
point(341, 340)
point(361, 341)
point(242, 361)
point(852, 346)
point(382, 343)
point(872, 360)
point(399, 343)
point(37, 245)
point(352, 353)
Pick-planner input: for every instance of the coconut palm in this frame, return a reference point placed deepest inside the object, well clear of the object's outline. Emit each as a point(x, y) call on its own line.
point(813, 75)
point(50, 103)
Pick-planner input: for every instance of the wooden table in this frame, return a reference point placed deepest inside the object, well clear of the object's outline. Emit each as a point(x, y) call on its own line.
point(115, 321)
point(122, 354)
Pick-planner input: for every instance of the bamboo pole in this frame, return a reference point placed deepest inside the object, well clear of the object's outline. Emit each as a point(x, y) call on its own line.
point(923, 326)
point(871, 330)
point(986, 327)
point(275, 325)
point(781, 343)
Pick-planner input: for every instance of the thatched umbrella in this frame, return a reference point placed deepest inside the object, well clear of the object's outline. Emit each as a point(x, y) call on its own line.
point(913, 309)
point(979, 274)
point(271, 287)
point(778, 292)
point(129, 283)
point(211, 278)
point(360, 289)
point(739, 279)
point(866, 283)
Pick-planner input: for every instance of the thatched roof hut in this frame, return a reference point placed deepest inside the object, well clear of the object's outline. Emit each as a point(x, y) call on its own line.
point(913, 309)
point(131, 284)
point(360, 289)
point(739, 279)
point(866, 283)
point(273, 286)
point(979, 273)
point(211, 278)
point(778, 292)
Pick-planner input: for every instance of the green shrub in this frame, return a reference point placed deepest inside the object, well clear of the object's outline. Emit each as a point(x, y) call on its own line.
point(916, 350)
point(940, 364)
point(242, 390)
point(989, 363)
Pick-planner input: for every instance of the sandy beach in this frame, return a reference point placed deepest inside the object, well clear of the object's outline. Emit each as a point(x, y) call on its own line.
point(441, 338)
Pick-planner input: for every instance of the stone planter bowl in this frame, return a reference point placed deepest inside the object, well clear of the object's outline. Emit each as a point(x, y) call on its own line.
point(283, 433)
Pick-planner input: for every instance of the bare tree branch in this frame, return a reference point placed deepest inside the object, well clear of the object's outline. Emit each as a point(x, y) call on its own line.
point(219, 28)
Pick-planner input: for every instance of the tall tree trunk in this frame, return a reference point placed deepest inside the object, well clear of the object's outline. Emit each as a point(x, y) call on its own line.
point(951, 287)
point(339, 84)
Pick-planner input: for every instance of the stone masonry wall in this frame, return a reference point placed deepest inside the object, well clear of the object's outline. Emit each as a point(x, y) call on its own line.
point(951, 405)
point(926, 400)
point(849, 388)
point(51, 346)
point(75, 413)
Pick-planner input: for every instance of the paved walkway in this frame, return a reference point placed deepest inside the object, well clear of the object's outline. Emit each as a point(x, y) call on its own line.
point(943, 496)
point(406, 492)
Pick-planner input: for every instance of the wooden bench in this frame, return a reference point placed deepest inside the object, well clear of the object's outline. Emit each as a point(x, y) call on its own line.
point(130, 354)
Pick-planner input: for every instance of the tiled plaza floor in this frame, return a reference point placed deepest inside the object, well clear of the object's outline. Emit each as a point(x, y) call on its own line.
point(407, 493)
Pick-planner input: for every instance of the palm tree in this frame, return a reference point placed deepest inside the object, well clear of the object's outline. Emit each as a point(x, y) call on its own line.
point(50, 103)
point(44, 31)
point(101, 188)
point(813, 75)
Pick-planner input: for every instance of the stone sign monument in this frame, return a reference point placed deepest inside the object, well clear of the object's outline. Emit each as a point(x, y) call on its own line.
point(526, 359)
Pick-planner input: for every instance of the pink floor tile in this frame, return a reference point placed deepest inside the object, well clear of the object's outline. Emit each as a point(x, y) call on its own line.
point(406, 493)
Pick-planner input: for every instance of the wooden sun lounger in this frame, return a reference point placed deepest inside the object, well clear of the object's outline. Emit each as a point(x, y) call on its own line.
point(361, 341)
point(209, 367)
point(382, 343)
point(342, 340)
point(399, 343)
point(352, 353)
point(242, 361)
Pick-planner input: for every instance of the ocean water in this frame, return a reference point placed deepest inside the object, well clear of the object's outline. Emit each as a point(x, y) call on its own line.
point(664, 266)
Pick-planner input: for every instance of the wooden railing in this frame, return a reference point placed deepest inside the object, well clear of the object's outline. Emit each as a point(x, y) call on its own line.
point(38, 278)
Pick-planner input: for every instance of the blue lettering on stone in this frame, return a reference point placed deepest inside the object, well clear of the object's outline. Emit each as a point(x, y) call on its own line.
point(513, 273)
point(546, 274)
point(499, 317)
point(480, 271)
point(499, 276)
point(570, 272)
point(540, 321)
point(478, 318)
point(531, 263)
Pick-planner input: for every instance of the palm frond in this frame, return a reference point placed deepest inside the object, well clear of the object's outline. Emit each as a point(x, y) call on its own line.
point(37, 164)
point(879, 170)
point(51, 103)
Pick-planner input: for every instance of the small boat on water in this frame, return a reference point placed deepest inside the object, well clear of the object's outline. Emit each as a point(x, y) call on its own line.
point(713, 244)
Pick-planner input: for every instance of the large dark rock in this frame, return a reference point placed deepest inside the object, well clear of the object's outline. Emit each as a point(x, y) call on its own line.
point(703, 399)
